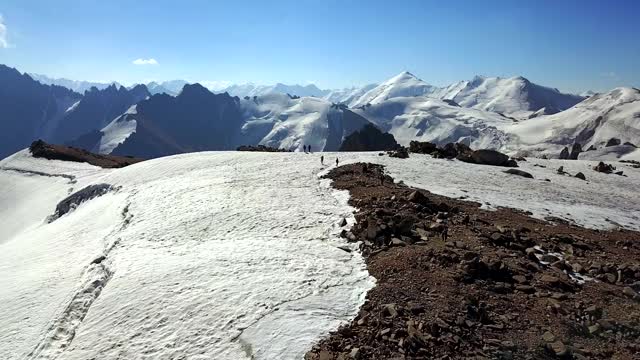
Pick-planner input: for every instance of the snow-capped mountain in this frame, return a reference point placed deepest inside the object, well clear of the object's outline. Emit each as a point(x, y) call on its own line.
point(31, 110)
point(593, 122)
point(78, 86)
point(222, 122)
point(512, 115)
point(515, 96)
point(276, 120)
point(438, 121)
point(401, 85)
point(172, 87)
point(156, 88)
point(251, 90)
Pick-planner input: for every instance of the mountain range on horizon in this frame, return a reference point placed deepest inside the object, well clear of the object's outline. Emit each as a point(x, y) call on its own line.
point(173, 87)
point(158, 119)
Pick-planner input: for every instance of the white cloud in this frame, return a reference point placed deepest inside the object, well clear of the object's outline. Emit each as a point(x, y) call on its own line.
point(3, 34)
point(150, 61)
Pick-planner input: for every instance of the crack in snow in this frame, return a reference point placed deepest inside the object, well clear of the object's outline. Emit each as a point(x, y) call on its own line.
point(71, 178)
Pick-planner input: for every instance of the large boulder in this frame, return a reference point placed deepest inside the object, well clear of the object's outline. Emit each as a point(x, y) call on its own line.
point(604, 168)
point(400, 153)
point(422, 147)
point(487, 157)
point(564, 154)
point(576, 149)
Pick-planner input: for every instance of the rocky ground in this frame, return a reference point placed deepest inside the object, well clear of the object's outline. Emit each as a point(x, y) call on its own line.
point(41, 149)
point(261, 148)
point(455, 281)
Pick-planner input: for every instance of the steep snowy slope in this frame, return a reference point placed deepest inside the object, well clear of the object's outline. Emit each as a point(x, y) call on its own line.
point(428, 119)
point(348, 95)
point(278, 121)
point(208, 255)
point(401, 85)
point(515, 96)
point(593, 122)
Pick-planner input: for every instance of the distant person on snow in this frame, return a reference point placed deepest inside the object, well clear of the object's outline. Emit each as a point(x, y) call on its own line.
point(321, 159)
point(309, 148)
point(304, 147)
point(336, 161)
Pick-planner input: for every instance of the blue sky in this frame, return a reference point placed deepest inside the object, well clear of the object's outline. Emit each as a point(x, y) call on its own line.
point(573, 45)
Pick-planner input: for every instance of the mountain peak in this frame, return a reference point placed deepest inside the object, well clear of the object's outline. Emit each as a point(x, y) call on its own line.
point(194, 90)
point(403, 76)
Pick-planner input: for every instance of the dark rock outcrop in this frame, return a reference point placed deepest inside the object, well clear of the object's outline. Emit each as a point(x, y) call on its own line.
point(422, 147)
point(96, 110)
point(613, 142)
point(400, 153)
point(72, 201)
point(604, 168)
point(463, 153)
point(576, 149)
point(369, 138)
point(564, 154)
point(195, 120)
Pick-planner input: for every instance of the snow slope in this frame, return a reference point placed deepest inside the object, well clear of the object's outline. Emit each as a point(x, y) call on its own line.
point(205, 255)
point(348, 95)
point(429, 119)
point(615, 114)
point(604, 201)
point(117, 131)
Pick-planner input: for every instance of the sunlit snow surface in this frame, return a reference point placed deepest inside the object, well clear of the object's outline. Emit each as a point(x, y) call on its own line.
point(225, 255)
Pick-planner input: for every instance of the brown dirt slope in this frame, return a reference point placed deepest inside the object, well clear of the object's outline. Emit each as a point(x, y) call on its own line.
point(458, 282)
point(40, 149)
